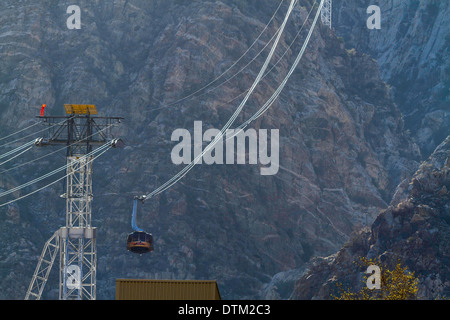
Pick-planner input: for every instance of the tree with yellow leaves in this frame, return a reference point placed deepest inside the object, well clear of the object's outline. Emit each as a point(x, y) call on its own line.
point(396, 284)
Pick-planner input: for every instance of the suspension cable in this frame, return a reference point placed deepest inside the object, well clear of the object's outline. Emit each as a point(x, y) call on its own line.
point(270, 70)
point(17, 149)
point(226, 80)
point(53, 172)
point(229, 68)
point(56, 151)
point(56, 181)
point(263, 109)
point(32, 134)
point(17, 155)
point(17, 132)
point(246, 123)
point(185, 170)
point(275, 95)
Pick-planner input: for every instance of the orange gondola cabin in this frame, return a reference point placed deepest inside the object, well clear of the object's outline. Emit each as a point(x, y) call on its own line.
point(140, 242)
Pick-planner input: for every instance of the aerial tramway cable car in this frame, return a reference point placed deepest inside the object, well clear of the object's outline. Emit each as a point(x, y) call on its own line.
point(142, 242)
point(138, 241)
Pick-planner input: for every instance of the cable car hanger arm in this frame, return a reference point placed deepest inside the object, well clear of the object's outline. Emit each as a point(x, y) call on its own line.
point(133, 216)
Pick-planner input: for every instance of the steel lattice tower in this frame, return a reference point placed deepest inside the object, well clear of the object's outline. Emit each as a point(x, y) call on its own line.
point(78, 254)
point(327, 12)
point(76, 241)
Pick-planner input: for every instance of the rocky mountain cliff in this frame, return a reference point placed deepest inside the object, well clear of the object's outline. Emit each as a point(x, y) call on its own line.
point(343, 144)
point(415, 232)
point(412, 49)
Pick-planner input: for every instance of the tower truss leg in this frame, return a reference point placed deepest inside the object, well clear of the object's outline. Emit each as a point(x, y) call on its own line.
point(43, 268)
point(78, 253)
point(327, 12)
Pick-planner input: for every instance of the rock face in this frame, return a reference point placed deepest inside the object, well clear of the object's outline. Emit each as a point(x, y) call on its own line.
point(412, 50)
point(343, 147)
point(416, 232)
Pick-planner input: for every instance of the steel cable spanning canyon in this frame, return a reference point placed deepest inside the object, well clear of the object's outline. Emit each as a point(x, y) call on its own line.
point(21, 130)
point(18, 149)
point(76, 242)
point(29, 135)
point(55, 151)
point(88, 158)
point(142, 242)
point(259, 113)
point(194, 94)
point(219, 136)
